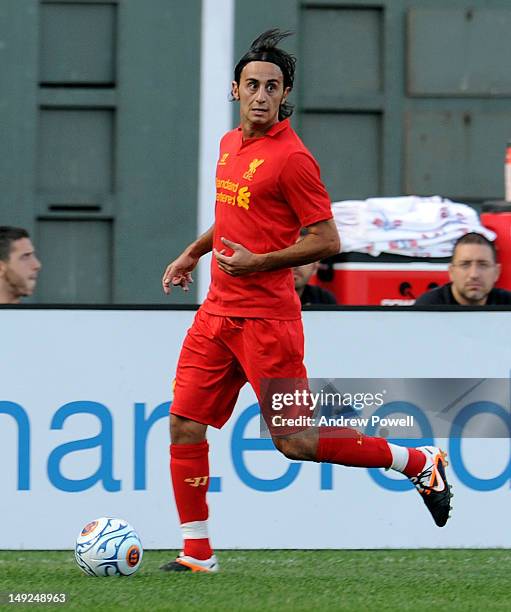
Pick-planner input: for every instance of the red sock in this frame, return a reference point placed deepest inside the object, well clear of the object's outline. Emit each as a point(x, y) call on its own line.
point(189, 468)
point(416, 462)
point(346, 446)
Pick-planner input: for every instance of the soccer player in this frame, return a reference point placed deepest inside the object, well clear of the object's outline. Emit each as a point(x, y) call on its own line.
point(249, 328)
point(19, 265)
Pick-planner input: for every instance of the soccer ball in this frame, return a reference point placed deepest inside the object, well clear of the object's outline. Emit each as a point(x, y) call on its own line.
point(108, 547)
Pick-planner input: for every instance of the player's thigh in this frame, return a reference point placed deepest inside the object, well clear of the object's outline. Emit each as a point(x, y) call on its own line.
point(274, 349)
point(274, 365)
point(208, 376)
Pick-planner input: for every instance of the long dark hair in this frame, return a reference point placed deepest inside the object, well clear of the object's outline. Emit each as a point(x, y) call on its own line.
point(264, 49)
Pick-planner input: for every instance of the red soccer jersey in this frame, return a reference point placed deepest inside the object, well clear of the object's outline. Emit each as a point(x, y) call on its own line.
point(266, 189)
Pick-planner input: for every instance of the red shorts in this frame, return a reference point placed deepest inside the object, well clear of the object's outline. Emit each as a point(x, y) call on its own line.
point(220, 354)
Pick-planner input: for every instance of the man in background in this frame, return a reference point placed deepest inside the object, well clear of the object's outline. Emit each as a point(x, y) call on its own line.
point(310, 294)
point(19, 265)
point(473, 271)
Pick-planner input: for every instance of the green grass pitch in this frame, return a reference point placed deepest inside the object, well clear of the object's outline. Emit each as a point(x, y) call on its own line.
point(276, 580)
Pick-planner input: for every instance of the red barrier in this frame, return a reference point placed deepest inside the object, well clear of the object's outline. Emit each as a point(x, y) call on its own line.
point(383, 284)
point(497, 217)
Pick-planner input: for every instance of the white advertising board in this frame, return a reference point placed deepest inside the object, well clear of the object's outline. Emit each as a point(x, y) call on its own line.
point(83, 433)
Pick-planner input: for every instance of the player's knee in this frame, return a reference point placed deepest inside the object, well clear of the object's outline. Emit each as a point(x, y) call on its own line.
point(186, 431)
point(286, 447)
point(294, 448)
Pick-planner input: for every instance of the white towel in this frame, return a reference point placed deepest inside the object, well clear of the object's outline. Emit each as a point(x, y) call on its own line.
point(408, 225)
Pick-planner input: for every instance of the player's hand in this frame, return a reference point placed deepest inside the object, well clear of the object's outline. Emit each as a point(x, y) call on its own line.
point(241, 262)
point(179, 273)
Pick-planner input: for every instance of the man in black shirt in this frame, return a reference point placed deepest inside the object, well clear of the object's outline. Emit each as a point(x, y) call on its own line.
point(310, 294)
point(473, 271)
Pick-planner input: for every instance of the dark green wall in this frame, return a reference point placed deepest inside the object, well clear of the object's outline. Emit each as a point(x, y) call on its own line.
point(99, 115)
point(99, 119)
point(398, 96)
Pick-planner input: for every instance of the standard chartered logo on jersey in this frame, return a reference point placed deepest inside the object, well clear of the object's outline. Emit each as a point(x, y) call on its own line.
point(235, 195)
point(243, 199)
point(230, 192)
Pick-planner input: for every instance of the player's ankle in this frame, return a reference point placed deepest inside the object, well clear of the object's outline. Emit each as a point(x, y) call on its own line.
point(408, 461)
point(198, 549)
point(415, 464)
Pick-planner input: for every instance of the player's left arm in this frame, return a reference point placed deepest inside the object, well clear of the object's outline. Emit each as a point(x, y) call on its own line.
point(322, 240)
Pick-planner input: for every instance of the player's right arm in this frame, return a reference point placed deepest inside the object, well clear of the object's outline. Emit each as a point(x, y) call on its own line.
point(179, 272)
